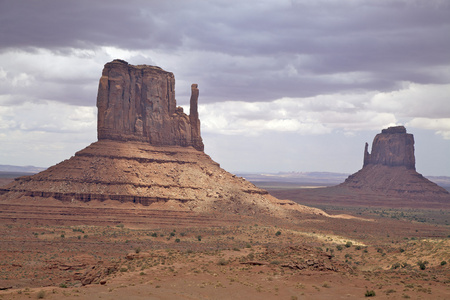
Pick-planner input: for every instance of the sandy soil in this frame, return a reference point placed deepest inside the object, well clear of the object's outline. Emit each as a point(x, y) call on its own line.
point(118, 251)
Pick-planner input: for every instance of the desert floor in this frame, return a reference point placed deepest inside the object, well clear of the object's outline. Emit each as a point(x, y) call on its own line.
point(108, 250)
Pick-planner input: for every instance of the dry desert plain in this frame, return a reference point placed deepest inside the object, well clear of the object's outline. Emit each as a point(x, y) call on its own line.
point(110, 250)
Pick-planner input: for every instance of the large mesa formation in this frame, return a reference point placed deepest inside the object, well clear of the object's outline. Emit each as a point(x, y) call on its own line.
point(390, 168)
point(148, 152)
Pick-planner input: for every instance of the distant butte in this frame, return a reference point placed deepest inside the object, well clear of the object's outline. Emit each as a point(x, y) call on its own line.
point(390, 168)
point(388, 179)
point(148, 152)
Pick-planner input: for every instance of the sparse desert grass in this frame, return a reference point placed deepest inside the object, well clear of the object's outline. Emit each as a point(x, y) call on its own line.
point(218, 255)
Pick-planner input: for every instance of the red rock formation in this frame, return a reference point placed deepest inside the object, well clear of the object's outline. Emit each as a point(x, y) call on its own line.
point(390, 168)
point(197, 141)
point(135, 172)
point(392, 147)
point(137, 103)
point(144, 155)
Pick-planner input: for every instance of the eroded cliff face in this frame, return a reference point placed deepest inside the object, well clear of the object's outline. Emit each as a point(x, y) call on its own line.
point(137, 103)
point(392, 147)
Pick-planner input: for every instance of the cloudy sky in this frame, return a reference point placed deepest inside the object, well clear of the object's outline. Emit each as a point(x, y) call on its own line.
point(295, 85)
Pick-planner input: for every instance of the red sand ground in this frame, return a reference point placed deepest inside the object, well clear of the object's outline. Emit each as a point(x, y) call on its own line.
point(49, 249)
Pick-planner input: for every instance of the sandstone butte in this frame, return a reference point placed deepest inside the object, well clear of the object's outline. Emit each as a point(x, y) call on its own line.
point(148, 152)
point(390, 169)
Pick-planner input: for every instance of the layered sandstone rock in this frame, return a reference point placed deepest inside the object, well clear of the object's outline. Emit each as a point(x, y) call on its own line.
point(390, 168)
point(137, 103)
point(137, 172)
point(149, 152)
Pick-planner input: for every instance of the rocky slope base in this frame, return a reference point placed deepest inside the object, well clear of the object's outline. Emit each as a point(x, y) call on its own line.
point(179, 178)
point(398, 181)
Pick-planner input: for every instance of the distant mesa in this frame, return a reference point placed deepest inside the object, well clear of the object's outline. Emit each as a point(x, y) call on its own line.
point(390, 168)
point(148, 152)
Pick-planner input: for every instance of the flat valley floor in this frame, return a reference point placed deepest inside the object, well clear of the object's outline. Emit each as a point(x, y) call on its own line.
point(109, 250)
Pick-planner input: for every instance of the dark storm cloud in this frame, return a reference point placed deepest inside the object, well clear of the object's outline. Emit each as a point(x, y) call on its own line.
point(387, 41)
point(80, 24)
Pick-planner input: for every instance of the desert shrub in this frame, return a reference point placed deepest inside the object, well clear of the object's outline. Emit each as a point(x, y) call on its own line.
point(222, 262)
point(348, 244)
point(137, 250)
point(402, 250)
point(443, 263)
point(348, 256)
point(177, 240)
point(183, 233)
point(63, 236)
point(422, 264)
point(154, 234)
point(339, 247)
point(63, 285)
point(199, 238)
point(370, 293)
point(358, 247)
point(278, 233)
point(123, 269)
point(172, 234)
point(395, 266)
point(390, 291)
point(41, 295)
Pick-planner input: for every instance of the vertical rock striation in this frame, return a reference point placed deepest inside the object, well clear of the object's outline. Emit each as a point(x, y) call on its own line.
point(137, 103)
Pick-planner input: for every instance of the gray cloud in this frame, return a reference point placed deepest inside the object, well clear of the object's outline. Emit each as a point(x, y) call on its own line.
point(391, 41)
point(344, 65)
